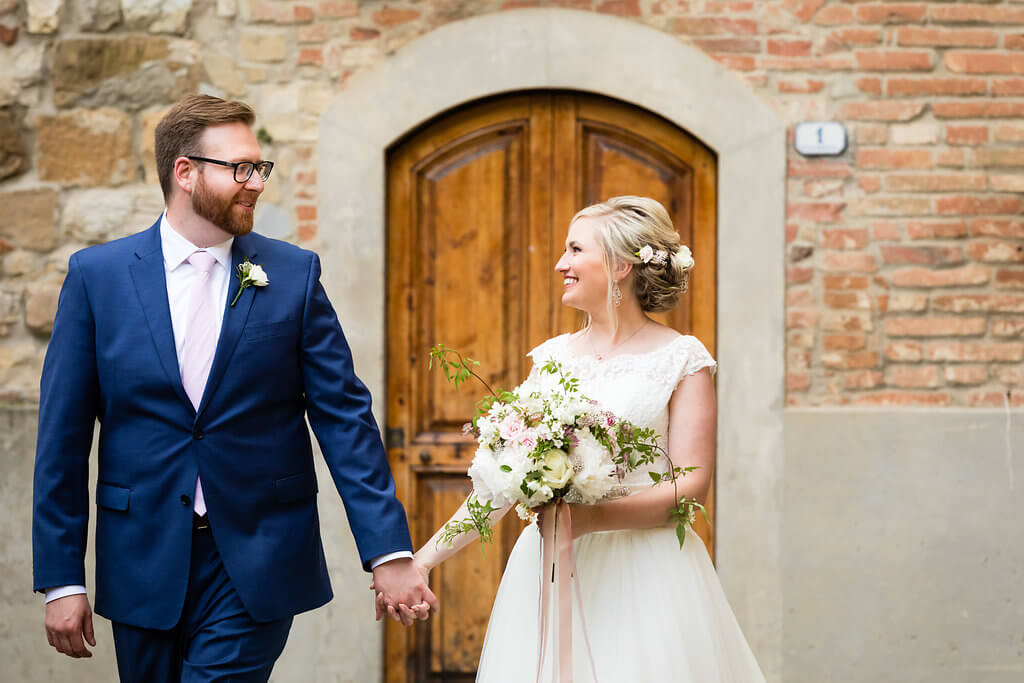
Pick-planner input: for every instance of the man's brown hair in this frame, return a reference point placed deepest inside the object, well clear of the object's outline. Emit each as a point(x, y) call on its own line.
point(178, 133)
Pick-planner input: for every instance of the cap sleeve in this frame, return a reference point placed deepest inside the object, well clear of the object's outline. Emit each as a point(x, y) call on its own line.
point(693, 357)
point(545, 350)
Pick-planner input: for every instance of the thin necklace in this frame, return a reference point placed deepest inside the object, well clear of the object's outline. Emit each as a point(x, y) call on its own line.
point(616, 344)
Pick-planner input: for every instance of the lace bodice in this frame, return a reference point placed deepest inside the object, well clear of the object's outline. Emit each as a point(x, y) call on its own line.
point(635, 386)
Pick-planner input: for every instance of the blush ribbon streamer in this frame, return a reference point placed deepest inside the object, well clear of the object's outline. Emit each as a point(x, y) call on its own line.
point(558, 576)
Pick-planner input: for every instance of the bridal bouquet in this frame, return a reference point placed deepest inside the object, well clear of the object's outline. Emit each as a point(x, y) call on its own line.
point(546, 441)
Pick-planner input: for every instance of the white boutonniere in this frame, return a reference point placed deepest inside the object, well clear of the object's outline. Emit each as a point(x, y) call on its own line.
point(249, 275)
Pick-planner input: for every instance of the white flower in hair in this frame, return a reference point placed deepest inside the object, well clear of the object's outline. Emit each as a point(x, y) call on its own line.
point(685, 257)
point(648, 255)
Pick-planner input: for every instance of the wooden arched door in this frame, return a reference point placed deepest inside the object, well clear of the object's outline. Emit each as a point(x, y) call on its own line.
point(479, 201)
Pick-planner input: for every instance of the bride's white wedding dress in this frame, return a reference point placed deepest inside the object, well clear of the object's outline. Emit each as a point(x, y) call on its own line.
point(653, 612)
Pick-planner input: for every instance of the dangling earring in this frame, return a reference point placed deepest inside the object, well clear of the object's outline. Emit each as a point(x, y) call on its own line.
point(617, 295)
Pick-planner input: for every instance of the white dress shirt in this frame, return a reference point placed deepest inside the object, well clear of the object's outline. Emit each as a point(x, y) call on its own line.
point(181, 275)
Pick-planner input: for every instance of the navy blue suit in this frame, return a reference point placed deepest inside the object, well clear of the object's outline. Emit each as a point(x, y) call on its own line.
point(281, 358)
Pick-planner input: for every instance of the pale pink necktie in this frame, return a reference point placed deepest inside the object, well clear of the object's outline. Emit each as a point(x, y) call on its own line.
point(200, 342)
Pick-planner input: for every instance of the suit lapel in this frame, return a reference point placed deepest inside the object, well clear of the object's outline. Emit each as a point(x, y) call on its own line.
point(149, 275)
point(234, 318)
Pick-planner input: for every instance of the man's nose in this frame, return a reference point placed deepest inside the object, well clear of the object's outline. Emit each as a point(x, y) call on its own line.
point(255, 182)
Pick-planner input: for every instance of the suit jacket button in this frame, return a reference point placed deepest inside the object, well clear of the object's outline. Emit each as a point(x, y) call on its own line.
point(186, 501)
point(197, 434)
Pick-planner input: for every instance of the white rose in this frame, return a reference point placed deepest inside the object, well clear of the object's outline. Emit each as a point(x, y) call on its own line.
point(685, 257)
point(646, 253)
point(258, 277)
point(556, 468)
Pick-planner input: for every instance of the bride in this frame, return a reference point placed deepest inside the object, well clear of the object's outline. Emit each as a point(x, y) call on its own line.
point(650, 610)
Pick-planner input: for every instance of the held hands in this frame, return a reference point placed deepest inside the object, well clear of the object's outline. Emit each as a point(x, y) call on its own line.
point(402, 591)
point(68, 619)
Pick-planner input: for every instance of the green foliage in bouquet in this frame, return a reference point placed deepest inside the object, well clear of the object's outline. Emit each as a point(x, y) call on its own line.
point(479, 521)
point(457, 369)
point(636, 446)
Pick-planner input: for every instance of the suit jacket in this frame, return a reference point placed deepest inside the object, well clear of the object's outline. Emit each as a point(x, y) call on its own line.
point(281, 358)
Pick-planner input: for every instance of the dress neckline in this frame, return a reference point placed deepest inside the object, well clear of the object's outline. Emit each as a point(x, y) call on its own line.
point(567, 337)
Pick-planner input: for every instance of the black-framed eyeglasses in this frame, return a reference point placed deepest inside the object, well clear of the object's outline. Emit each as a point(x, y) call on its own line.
point(243, 169)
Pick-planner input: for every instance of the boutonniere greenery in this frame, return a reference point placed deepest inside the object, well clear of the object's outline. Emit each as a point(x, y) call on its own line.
point(249, 275)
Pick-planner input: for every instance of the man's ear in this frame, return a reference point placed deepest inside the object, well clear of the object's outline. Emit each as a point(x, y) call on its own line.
point(184, 174)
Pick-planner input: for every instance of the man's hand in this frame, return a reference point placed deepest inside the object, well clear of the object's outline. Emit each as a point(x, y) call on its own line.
point(67, 620)
point(402, 591)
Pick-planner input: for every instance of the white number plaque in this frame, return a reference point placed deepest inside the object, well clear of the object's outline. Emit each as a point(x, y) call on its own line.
point(820, 138)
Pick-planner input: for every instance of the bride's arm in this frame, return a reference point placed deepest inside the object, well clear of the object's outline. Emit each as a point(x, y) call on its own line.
point(435, 551)
point(691, 441)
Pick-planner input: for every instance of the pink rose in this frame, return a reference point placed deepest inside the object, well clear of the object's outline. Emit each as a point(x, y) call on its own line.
point(511, 428)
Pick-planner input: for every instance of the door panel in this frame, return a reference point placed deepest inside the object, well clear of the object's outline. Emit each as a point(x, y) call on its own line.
point(479, 201)
point(456, 227)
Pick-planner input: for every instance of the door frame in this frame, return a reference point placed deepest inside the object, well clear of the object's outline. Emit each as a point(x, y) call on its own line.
point(585, 51)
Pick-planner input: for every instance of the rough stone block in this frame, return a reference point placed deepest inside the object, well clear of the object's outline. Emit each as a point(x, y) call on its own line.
point(132, 72)
point(99, 215)
point(21, 66)
point(43, 15)
point(99, 15)
point(41, 305)
point(20, 367)
point(159, 16)
point(12, 144)
point(147, 143)
point(29, 218)
point(261, 46)
point(10, 307)
point(86, 147)
point(21, 262)
point(223, 72)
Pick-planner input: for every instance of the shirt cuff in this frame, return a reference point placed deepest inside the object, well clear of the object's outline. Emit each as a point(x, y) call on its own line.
point(63, 592)
point(390, 556)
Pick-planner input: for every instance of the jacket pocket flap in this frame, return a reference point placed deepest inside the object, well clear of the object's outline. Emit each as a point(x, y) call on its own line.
point(112, 497)
point(296, 487)
point(255, 331)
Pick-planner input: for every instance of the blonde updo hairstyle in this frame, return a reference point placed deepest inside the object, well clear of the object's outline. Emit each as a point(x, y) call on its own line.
point(629, 224)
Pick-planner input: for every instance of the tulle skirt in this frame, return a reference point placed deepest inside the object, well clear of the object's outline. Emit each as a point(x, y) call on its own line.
point(653, 612)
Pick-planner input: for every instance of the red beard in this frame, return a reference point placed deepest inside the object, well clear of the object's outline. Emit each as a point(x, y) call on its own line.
point(222, 212)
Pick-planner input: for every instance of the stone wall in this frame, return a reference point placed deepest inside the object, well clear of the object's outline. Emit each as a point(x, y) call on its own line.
point(905, 260)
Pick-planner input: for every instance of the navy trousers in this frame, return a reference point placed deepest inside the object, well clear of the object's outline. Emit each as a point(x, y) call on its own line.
point(215, 640)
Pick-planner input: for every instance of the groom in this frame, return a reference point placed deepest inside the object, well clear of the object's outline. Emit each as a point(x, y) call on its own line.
point(207, 533)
